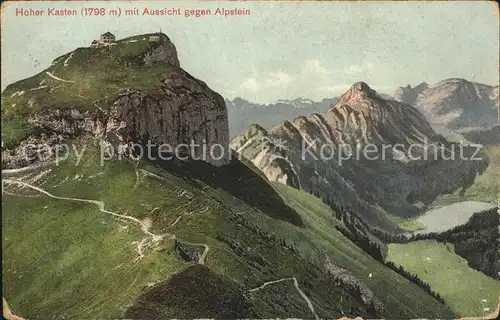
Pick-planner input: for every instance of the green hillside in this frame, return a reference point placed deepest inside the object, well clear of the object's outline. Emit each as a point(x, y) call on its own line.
point(485, 187)
point(467, 291)
point(67, 257)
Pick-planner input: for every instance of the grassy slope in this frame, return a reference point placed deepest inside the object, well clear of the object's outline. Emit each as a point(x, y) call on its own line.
point(56, 249)
point(462, 287)
point(93, 264)
point(486, 186)
point(67, 259)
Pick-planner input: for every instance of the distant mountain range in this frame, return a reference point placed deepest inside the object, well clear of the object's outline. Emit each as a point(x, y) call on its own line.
point(243, 113)
point(454, 106)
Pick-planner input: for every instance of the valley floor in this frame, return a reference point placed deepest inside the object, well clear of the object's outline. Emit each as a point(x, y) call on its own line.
point(468, 292)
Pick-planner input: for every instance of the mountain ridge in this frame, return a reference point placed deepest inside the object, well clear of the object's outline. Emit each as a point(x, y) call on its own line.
point(458, 104)
point(361, 117)
point(134, 88)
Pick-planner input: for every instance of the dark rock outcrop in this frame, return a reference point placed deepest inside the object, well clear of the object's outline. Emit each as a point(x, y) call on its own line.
point(194, 293)
point(186, 112)
point(188, 253)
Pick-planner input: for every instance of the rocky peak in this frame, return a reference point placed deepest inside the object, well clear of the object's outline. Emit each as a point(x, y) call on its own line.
point(239, 103)
point(243, 113)
point(369, 118)
point(459, 104)
point(495, 94)
point(164, 53)
point(460, 90)
point(358, 91)
point(254, 128)
point(422, 86)
point(408, 94)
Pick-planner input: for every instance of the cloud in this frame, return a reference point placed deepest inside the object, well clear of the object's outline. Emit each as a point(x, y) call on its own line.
point(251, 84)
point(270, 80)
point(365, 67)
point(314, 66)
point(333, 89)
point(310, 72)
point(311, 79)
point(279, 79)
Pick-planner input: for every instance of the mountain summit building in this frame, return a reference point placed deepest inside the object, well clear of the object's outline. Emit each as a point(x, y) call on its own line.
point(106, 39)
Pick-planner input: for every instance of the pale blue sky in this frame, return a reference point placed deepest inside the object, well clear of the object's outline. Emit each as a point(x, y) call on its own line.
point(283, 49)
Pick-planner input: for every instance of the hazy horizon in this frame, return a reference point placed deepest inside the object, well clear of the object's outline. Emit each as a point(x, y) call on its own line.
point(282, 50)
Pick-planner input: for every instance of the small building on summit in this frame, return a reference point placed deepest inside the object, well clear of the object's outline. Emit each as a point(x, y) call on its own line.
point(154, 38)
point(108, 37)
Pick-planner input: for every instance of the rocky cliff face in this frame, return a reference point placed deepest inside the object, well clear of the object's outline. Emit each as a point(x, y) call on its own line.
point(367, 153)
point(137, 91)
point(187, 111)
point(454, 104)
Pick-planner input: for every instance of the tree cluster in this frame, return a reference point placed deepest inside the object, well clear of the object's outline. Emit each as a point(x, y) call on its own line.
point(415, 279)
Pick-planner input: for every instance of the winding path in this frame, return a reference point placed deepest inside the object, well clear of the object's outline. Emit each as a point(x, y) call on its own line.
point(143, 224)
point(296, 285)
point(99, 204)
point(176, 220)
point(57, 78)
point(203, 256)
point(39, 87)
point(10, 172)
point(7, 314)
point(149, 241)
point(66, 62)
